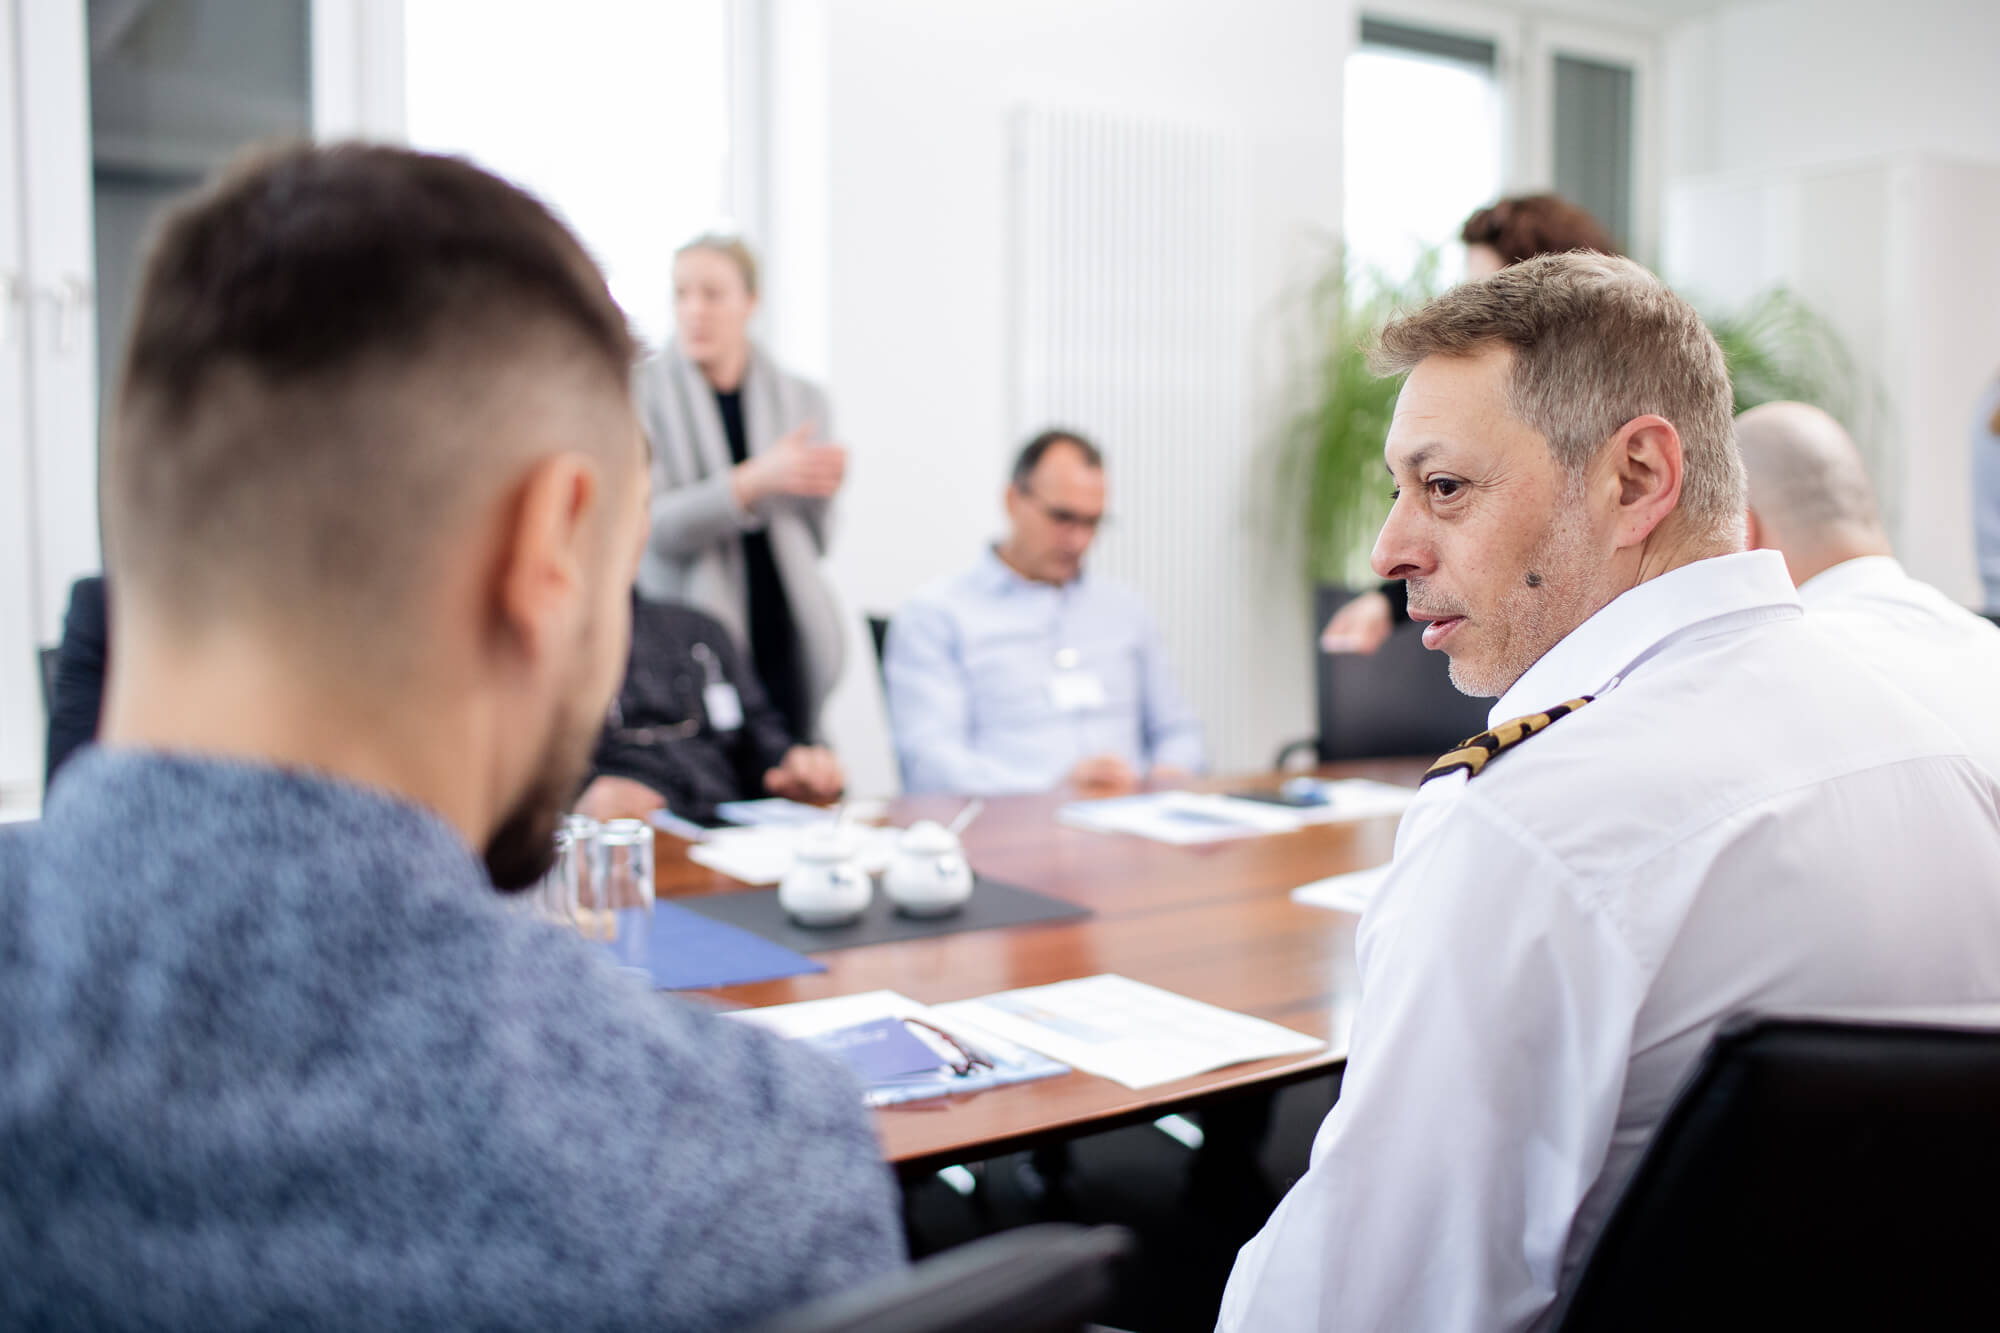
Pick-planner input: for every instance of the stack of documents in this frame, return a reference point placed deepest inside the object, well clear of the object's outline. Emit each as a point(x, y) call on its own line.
point(1125, 1030)
point(1182, 817)
point(897, 1047)
point(1186, 817)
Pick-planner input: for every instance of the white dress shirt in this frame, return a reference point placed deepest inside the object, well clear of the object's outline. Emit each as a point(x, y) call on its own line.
point(999, 683)
point(1947, 657)
point(1745, 818)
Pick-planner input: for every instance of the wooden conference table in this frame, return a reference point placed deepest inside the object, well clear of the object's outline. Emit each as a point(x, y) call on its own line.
point(1213, 922)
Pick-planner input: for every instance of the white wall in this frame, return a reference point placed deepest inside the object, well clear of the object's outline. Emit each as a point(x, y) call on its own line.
point(891, 241)
point(1796, 83)
point(1852, 151)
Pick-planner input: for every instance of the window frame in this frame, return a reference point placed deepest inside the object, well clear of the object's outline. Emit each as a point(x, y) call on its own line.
point(1525, 50)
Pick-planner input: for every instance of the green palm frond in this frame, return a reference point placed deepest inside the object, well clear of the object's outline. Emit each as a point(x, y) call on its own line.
point(1779, 348)
point(1330, 493)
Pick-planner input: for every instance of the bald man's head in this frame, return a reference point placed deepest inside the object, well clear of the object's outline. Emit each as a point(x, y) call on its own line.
point(1810, 496)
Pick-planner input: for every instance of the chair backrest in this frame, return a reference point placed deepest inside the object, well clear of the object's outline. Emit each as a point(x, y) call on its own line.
point(1041, 1279)
point(1396, 701)
point(878, 629)
point(1812, 1173)
point(49, 658)
point(854, 719)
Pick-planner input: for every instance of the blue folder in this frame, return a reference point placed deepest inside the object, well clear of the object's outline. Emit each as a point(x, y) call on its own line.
point(692, 952)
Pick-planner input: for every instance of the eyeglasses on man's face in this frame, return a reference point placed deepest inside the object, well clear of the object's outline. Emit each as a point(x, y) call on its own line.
point(1065, 518)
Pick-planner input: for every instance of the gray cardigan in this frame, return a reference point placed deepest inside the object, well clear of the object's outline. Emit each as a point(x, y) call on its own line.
point(695, 554)
point(273, 1054)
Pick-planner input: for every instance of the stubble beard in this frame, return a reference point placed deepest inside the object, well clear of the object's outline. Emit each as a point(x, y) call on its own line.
point(522, 848)
point(1536, 617)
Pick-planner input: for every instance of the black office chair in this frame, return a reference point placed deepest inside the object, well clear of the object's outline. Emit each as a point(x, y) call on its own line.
point(49, 658)
point(1041, 1279)
point(1394, 702)
point(878, 629)
point(1812, 1173)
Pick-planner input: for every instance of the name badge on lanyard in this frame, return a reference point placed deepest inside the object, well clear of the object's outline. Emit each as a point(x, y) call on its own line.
point(719, 698)
point(1073, 689)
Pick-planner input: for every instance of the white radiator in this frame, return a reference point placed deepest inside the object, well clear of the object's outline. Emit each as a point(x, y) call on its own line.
point(1134, 303)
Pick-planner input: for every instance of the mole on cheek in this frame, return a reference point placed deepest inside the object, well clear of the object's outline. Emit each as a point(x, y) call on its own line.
point(1534, 579)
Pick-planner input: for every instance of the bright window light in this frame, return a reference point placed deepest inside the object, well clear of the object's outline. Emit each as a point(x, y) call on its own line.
point(613, 112)
point(1423, 150)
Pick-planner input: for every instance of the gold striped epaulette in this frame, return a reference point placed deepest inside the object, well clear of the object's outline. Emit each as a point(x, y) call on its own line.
point(1475, 754)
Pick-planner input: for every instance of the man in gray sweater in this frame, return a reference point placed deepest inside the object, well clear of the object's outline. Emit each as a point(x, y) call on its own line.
point(273, 1052)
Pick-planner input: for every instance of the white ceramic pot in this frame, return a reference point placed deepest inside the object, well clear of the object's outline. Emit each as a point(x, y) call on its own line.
point(826, 885)
point(929, 876)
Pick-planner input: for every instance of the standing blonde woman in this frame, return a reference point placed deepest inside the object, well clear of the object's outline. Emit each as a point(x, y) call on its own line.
point(743, 483)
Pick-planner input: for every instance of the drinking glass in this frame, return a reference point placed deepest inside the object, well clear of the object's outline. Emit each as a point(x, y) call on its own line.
point(576, 851)
point(616, 904)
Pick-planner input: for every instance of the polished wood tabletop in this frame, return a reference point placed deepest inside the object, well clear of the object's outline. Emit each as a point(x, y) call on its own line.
point(1213, 922)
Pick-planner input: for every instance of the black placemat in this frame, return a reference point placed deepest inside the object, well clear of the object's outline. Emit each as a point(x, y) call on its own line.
point(993, 905)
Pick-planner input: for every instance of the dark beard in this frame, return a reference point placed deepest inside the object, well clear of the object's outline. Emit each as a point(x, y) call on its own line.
point(523, 848)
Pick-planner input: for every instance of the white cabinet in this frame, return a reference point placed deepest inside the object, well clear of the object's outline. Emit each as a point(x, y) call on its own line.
point(1897, 253)
point(20, 716)
point(108, 112)
point(48, 370)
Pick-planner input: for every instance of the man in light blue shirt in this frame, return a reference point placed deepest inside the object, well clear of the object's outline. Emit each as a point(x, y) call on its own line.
point(1025, 672)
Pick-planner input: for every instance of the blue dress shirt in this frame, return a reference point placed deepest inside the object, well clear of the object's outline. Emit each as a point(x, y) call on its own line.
point(971, 665)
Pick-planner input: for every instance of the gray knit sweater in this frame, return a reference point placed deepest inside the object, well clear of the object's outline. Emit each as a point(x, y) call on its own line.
point(273, 1054)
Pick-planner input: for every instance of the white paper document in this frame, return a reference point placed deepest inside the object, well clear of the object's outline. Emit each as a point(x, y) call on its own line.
point(1181, 817)
point(1343, 893)
point(1186, 817)
point(768, 812)
point(1007, 1061)
point(1358, 798)
point(778, 810)
point(1125, 1030)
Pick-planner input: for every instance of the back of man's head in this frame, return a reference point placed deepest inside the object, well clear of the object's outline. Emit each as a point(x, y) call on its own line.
point(1810, 497)
point(327, 347)
point(1597, 342)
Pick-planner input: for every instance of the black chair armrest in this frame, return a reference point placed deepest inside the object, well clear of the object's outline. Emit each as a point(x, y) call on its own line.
point(1039, 1279)
point(1308, 746)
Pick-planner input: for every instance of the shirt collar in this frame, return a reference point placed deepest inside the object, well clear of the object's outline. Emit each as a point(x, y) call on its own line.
point(1863, 574)
point(1747, 587)
point(1000, 577)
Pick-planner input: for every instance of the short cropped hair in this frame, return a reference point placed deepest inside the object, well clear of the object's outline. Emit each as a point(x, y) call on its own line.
point(730, 247)
point(312, 334)
point(1597, 341)
point(1035, 450)
point(1527, 225)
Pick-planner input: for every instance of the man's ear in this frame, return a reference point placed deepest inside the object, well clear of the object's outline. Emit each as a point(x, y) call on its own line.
point(1646, 459)
point(543, 575)
point(1755, 536)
